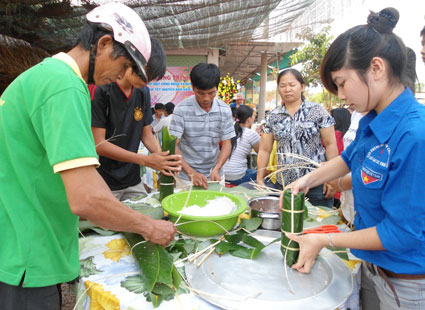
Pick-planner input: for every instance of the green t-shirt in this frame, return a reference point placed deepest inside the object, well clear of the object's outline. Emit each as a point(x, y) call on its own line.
point(45, 119)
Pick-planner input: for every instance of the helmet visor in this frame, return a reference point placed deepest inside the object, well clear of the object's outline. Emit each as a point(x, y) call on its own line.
point(139, 60)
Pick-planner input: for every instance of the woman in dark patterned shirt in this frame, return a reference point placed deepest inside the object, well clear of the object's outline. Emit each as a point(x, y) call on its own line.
point(299, 127)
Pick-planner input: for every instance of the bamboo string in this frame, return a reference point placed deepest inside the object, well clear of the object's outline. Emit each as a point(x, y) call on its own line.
point(335, 252)
point(110, 139)
point(209, 221)
point(199, 292)
point(292, 213)
point(205, 257)
point(286, 270)
point(289, 248)
point(131, 250)
point(79, 231)
point(301, 157)
point(187, 200)
point(194, 256)
point(158, 145)
point(295, 211)
point(323, 212)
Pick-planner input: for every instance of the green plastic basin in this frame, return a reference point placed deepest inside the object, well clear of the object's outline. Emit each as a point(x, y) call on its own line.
point(202, 226)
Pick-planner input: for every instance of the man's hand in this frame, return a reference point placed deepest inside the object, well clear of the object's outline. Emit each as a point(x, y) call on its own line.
point(198, 179)
point(215, 175)
point(163, 162)
point(160, 232)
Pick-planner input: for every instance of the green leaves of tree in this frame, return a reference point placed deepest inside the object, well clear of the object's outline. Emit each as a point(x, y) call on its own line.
point(312, 53)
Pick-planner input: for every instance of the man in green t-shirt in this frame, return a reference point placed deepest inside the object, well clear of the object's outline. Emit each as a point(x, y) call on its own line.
point(48, 161)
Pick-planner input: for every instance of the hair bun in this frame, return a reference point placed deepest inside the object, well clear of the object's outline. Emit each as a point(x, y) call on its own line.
point(383, 21)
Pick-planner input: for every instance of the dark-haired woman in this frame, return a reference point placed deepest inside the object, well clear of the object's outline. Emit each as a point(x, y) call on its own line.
point(299, 127)
point(342, 119)
point(365, 67)
point(236, 168)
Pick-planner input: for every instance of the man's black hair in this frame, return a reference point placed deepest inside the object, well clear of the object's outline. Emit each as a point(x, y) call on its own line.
point(157, 64)
point(159, 106)
point(169, 108)
point(90, 35)
point(205, 76)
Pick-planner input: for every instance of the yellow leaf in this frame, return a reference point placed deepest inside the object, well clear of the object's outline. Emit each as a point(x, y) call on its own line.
point(118, 249)
point(99, 298)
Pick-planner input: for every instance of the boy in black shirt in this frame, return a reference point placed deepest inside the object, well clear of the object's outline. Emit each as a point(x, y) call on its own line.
point(121, 117)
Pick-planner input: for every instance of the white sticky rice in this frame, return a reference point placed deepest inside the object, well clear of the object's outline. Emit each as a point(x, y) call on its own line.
point(214, 207)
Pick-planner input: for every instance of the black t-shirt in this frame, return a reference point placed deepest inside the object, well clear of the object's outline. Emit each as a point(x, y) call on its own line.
point(126, 117)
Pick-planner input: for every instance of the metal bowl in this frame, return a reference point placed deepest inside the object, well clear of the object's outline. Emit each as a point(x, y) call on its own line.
point(267, 208)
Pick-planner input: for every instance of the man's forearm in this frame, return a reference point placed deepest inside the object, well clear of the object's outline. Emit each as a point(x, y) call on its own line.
point(185, 166)
point(97, 204)
point(112, 151)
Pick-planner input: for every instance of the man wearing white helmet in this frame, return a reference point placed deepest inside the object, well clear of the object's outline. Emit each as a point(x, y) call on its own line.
point(48, 161)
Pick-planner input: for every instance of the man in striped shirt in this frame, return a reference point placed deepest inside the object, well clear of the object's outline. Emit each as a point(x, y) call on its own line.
point(199, 123)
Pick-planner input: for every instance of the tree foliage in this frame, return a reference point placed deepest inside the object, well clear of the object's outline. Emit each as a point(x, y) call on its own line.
point(312, 53)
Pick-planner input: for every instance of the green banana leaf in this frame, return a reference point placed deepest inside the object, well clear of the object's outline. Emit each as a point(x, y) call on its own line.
point(289, 248)
point(168, 144)
point(251, 224)
point(156, 213)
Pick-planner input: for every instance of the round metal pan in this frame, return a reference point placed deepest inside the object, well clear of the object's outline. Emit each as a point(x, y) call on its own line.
point(233, 283)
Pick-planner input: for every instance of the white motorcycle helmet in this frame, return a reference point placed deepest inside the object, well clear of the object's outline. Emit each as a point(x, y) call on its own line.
point(128, 29)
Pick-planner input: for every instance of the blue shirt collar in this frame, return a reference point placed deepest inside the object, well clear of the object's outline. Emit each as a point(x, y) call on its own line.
point(383, 124)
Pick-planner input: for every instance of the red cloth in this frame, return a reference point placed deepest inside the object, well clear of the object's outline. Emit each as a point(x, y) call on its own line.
point(339, 141)
point(340, 144)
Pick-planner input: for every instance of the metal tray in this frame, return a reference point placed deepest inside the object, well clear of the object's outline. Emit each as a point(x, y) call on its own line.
point(233, 283)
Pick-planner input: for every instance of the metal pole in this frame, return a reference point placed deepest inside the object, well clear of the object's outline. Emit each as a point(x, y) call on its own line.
point(277, 74)
point(263, 82)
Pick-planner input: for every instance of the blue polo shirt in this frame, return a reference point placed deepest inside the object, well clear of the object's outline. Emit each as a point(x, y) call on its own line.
point(200, 132)
point(387, 160)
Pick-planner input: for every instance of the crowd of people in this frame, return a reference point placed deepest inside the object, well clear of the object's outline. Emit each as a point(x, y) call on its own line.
point(80, 144)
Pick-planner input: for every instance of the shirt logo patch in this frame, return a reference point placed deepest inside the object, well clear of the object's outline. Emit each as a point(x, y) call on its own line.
point(380, 155)
point(138, 114)
point(2, 102)
point(370, 176)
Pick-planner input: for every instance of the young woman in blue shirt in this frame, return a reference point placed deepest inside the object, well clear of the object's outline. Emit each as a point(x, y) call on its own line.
point(365, 66)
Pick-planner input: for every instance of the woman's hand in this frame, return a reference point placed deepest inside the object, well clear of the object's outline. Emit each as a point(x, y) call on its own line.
point(329, 190)
point(310, 246)
point(300, 185)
